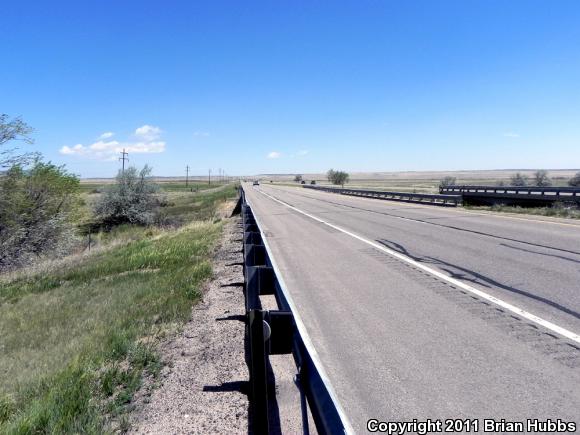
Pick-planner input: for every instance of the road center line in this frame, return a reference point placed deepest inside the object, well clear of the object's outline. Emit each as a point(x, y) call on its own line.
point(520, 312)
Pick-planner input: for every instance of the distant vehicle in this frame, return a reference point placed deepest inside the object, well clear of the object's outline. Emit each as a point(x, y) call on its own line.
point(256, 183)
point(313, 182)
point(303, 182)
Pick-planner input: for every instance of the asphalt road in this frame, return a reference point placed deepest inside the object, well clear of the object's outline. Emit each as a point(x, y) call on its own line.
point(400, 343)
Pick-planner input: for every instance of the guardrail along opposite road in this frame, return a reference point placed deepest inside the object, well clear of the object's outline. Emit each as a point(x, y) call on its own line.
point(277, 332)
point(514, 195)
point(425, 198)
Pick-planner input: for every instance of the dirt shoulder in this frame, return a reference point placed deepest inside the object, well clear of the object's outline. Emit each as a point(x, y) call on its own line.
point(202, 385)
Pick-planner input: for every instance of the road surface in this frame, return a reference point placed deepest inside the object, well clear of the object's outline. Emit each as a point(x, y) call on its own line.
point(423, 312)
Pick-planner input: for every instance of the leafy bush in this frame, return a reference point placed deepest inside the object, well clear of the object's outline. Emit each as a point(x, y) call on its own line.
point(519, 180)
point(132, 199)
point(14, 130)
point(575, 180)
point(541, 178)
point(447, 181)
point(36, 206)
point(337, 177)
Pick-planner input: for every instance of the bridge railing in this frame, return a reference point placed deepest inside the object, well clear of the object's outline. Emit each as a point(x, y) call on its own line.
point(565, 192)
point(273, 332)
point(426, 198)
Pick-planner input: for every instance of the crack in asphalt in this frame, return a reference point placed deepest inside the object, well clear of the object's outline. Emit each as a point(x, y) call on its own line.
point(540, 253)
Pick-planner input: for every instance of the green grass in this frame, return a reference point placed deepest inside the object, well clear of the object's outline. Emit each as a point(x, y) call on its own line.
point(170, 186)
point(200, 206)
point(76, 340)
point(90, 187)
point(557, 211)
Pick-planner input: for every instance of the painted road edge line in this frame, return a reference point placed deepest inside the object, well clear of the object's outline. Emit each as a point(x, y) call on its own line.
point(520, 312)
point(304, 333)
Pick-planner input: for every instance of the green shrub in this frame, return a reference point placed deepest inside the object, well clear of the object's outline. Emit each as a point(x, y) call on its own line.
point(575, 180)
point(132, 199)
point(37, 207)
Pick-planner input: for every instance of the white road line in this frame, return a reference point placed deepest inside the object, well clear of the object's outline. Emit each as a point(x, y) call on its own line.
point(304, 333)
point(520, 312)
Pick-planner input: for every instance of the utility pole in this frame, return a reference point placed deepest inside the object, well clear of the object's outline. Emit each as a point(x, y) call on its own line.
point(209, 178)
point(186, 175)
point(123, 158)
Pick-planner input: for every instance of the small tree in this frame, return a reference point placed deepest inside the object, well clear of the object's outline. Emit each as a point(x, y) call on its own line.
point(541, 178)
point(298, 178)
point(337, 177)
point(519, 180)
point(330, 175)
point(447, 181)
point(36, 218)
point(132, 199)
point(575, 180)
point(14, 130)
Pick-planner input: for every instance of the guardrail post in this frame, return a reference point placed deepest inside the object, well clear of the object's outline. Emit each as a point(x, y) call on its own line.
point(282, 332)
point(258, 372)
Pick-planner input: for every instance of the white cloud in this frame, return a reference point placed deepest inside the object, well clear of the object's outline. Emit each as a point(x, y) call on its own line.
point(103, 146)
point(107, 135)
point(148, 132)
point(511, 134)
point(201, 134)
point(147, 142)
point(145, 147)
point(274, 155)
point(77, 149)
point(302, 152)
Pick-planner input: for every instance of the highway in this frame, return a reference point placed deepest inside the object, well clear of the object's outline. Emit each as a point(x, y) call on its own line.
point(423, 312)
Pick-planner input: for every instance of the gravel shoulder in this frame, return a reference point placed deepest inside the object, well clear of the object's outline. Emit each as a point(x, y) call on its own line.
point(202, 385)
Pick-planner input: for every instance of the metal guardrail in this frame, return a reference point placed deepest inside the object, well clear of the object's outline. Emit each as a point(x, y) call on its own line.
point(276, 332)
point(563, 192)
point(514, 195)
point(424, 198)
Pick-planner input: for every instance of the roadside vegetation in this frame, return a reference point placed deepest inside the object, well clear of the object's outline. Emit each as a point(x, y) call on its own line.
point(37, 215)
point(448, 181)
point(79, 334)
point(339, 178)
point(575, 180)
point(79, 327)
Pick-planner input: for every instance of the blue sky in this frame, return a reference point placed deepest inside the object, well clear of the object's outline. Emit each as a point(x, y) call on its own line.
point(292, 86)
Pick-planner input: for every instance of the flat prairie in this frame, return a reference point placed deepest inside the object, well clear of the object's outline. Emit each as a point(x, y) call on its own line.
point(424, 181)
